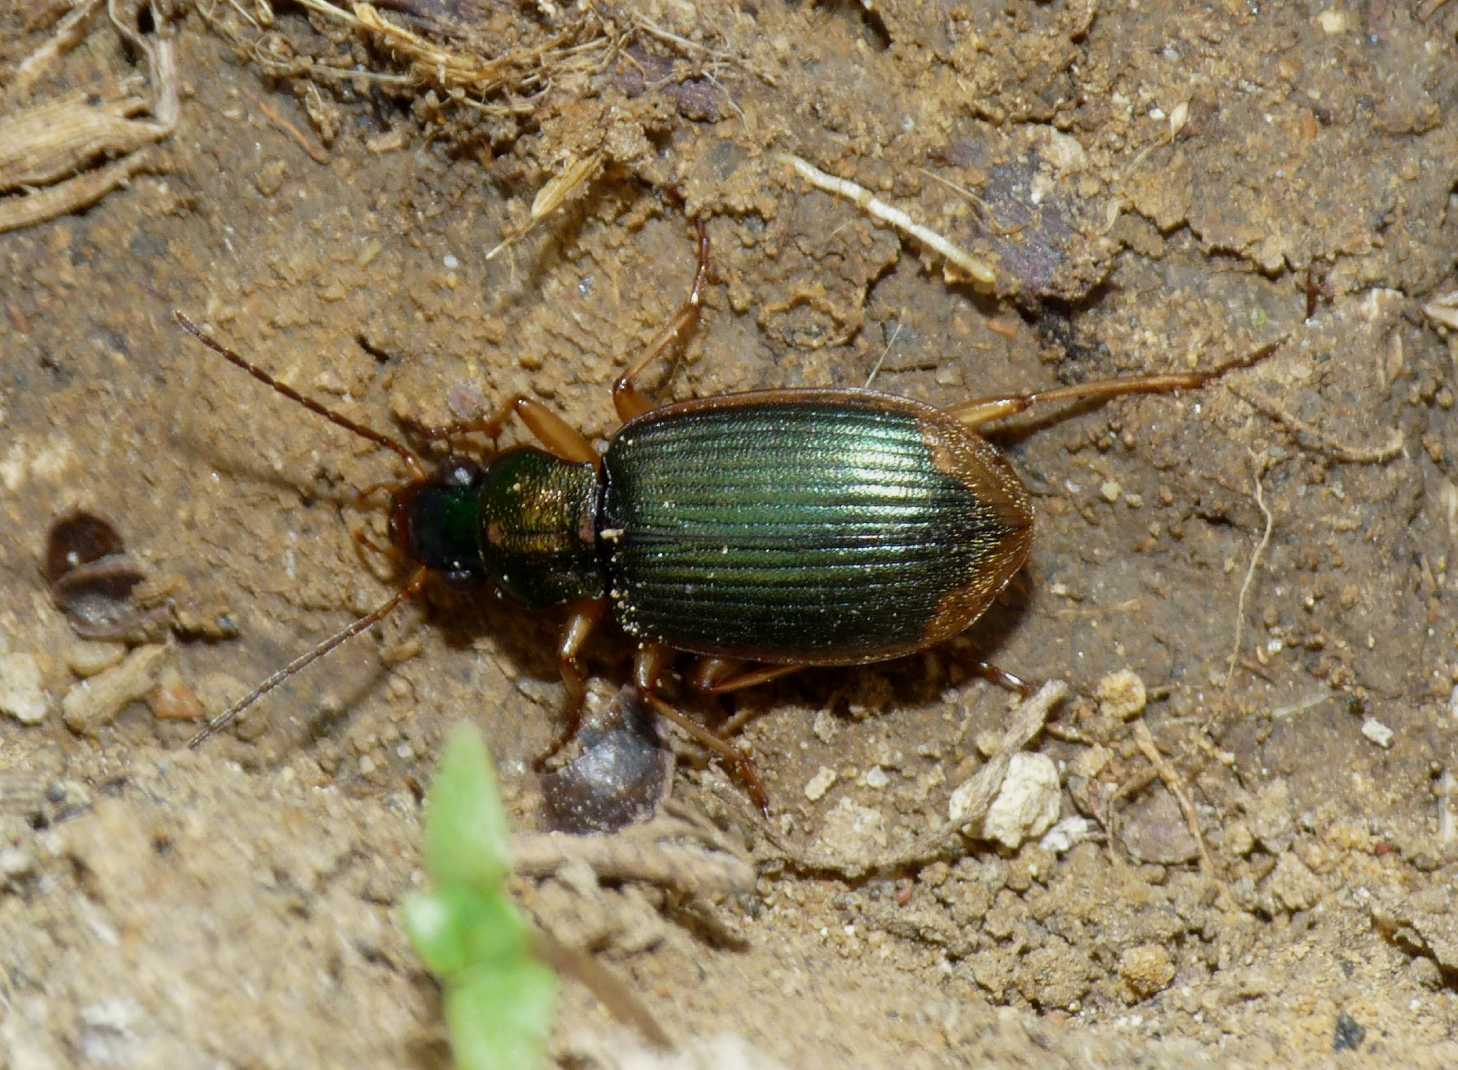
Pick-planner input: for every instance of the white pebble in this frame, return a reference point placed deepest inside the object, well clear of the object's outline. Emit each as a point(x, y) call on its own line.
point(819, 784)
point(20, 688)
point(1377, 732)
point(1067, 834)
point(1027, 803)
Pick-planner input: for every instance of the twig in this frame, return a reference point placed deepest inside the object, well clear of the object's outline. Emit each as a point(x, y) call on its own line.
point(1261, 462)
point(273, 115)
point(1145, 741)
point(55, 141)
point(633, 856)
point(1320, 440)
point(552, 196)
point(71, 30)
point(982, 276)
point(69, 196)
point(603, 983)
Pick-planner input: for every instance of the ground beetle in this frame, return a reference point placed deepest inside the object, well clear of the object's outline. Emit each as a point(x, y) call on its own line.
point(764, 531)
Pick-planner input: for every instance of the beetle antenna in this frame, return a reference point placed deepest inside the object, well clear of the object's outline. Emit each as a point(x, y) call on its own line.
point(379, 439)
point(370, 619)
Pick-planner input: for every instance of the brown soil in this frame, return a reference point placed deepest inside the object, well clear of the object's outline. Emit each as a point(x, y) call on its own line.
point(1159, 190)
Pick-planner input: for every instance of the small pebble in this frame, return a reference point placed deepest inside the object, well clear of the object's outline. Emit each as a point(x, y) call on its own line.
point(20, 688)
point(1377, 732)
point(1121, 694)
point(1027, 803)
point(16, 862)
point(1294, 885)
point(1348, 1033)
point(1067, 834)
point(173, 699)
point(875, 777)
point(853, 834)
point(87, 657)
point(1110, 491)
point(622, 772)
point(825, 728)
point(819, 784)
point(1145, 970)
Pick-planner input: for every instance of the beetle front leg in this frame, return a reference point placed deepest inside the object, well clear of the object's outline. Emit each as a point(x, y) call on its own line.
point(584, 617)
point(627, 398)
point(556, 435)
point(648, 667)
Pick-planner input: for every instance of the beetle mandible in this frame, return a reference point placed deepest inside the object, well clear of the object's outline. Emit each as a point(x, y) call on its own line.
point(765, 531)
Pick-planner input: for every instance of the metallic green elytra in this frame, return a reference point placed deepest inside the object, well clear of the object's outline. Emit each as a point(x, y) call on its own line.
point(806, 527)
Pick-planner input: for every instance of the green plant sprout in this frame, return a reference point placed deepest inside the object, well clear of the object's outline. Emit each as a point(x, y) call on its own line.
point(498, 998)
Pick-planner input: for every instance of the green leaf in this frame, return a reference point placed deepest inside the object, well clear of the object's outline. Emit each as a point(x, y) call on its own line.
point(498, 997)
point(458, 928)
point(466, 837)
point(500, 1019)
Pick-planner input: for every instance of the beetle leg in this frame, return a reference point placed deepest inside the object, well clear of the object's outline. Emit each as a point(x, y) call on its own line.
point(719, 676)
point(584, 617)
point(560, 438)
point(1008, 681)
point(709, 671)
point(648, 666)
point(627, 398)
point(978, 411)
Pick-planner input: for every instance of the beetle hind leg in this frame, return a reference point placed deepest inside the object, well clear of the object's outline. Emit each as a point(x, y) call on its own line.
point(721, 676)
point(978, 411)
point(1008, 681)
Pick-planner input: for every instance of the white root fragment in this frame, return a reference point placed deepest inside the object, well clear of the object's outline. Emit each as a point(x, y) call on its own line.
point(982, 276)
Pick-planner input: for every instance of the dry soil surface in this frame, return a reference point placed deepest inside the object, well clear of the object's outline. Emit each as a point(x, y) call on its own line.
point(1160, 188)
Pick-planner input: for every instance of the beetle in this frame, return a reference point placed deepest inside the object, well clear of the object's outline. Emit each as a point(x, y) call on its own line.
point(764, 531)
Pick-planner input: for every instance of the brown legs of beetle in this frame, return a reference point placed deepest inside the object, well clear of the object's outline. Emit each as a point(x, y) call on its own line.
point(978, 411)
point(556, 435)
point(648, 667)
point(583, 617)
point(720, 676)
point(1008, 681)
point(627, 397)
